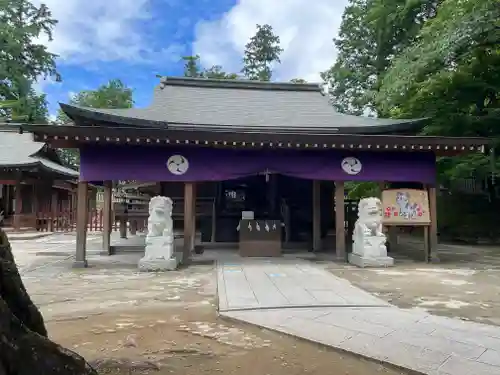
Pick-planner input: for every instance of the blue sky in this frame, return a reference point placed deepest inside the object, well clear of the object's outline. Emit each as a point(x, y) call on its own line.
point(134, 40)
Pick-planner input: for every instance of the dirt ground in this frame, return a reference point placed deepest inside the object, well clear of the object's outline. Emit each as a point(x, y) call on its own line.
point(126, 322)
point(465, 284)
point(195, 341)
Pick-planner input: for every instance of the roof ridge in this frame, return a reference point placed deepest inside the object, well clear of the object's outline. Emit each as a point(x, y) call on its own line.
point(238, 84)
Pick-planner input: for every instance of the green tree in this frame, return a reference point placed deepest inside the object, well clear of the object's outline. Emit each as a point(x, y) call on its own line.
point(261, 52)
point(192, 68)
point(452, 75)
point(216, 72)
point(372, 32)
point(23, 61)
point(114, 94)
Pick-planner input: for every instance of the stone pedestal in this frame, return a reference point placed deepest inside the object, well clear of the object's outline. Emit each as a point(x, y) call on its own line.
point(364, 262)
point(157, 265)
point(159, 255)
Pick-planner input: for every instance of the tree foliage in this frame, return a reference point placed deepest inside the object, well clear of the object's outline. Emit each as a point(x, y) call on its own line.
point(452, 75)
point(113, 94)
point(372, 32)
point(23, 61)
point(261, 52)
point(193, 69)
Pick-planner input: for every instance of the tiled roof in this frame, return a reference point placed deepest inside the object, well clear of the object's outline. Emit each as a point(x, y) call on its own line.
point(241, 105)
point(19, 150)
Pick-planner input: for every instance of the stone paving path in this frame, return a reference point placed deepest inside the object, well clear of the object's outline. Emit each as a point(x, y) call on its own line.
point(302, 299)
point(285, 283)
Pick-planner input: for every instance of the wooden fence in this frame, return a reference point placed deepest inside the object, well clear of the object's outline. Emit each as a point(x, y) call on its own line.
point(65, 221)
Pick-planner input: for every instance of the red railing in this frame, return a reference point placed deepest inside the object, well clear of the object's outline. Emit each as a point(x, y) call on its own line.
point(65, 221)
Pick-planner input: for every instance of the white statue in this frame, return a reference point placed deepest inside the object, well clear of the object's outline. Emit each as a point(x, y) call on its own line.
point(368, 238)
point(160, 223)
point(159, 254)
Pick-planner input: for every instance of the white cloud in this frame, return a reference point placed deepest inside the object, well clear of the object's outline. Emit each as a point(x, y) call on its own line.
point(306, 29)
point(97, 30)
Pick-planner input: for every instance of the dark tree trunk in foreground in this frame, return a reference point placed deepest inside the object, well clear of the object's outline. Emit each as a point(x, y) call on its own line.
point(24, 346)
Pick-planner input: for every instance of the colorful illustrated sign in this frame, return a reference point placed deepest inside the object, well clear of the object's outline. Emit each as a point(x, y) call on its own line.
point(405, 207)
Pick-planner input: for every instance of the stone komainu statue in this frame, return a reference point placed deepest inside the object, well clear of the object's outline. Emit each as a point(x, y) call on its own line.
point(368, 238)
point(160, 223)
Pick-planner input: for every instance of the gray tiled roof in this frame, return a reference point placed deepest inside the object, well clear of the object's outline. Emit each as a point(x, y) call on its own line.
point(19, 150)
point(246, 105)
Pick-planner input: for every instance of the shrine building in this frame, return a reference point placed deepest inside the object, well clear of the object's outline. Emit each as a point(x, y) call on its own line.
point(34, 183)
point(275, 154)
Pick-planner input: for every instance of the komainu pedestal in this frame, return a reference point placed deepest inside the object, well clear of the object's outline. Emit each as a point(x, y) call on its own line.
point(368, 248)
point(159, 255)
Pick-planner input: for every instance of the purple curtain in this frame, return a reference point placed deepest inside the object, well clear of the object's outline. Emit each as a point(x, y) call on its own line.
point(99, 163)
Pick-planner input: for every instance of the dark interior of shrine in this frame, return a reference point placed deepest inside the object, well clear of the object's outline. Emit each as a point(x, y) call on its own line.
point(272, 197)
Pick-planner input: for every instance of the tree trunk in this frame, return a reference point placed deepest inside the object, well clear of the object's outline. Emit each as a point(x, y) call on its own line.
point(24, 346)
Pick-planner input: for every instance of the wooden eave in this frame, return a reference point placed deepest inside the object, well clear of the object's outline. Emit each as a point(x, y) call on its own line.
point(76, 136)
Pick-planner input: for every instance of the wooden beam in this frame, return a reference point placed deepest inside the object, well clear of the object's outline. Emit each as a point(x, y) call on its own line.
point(433, 238)
point(123, 226)
point(18, 205)
point(82, 215)
point(340, 247)
point(316, 212)
point(214, 222)
point(107, 218)
point(189, 224)
point(193, 234)
point(53, 209)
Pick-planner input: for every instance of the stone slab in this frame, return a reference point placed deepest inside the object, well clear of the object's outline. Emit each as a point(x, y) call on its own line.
point(365, 262)
point(302, 299)
point(393, 336)
point(274, 283)
point(158, 265)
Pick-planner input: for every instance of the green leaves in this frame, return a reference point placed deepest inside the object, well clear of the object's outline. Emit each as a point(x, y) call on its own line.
point(372, 32)
point(444, 41)
point(23, 61)
point(192, 69)
point(114, 94)
point(419, 58)
point(261, 52)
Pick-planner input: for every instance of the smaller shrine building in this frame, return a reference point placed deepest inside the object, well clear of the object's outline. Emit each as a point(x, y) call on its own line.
point(269, 148)
point(34, 183)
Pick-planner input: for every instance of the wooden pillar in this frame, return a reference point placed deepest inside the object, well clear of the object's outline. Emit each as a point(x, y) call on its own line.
point(391, 231)
point(339, 221)
point(214, 222)
point(107, 218)
point(123, 225)
point(433, 239)
point(82, 215)
point(53, 210)
point(133, 227)
point(193, 232)
point(18, 205)
point(381, 186)
point(316, 212)
point(35, 206)
point(188, 221)
point(73, 201)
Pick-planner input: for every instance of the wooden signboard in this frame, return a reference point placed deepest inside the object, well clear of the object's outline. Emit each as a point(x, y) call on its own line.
point(405, 207)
